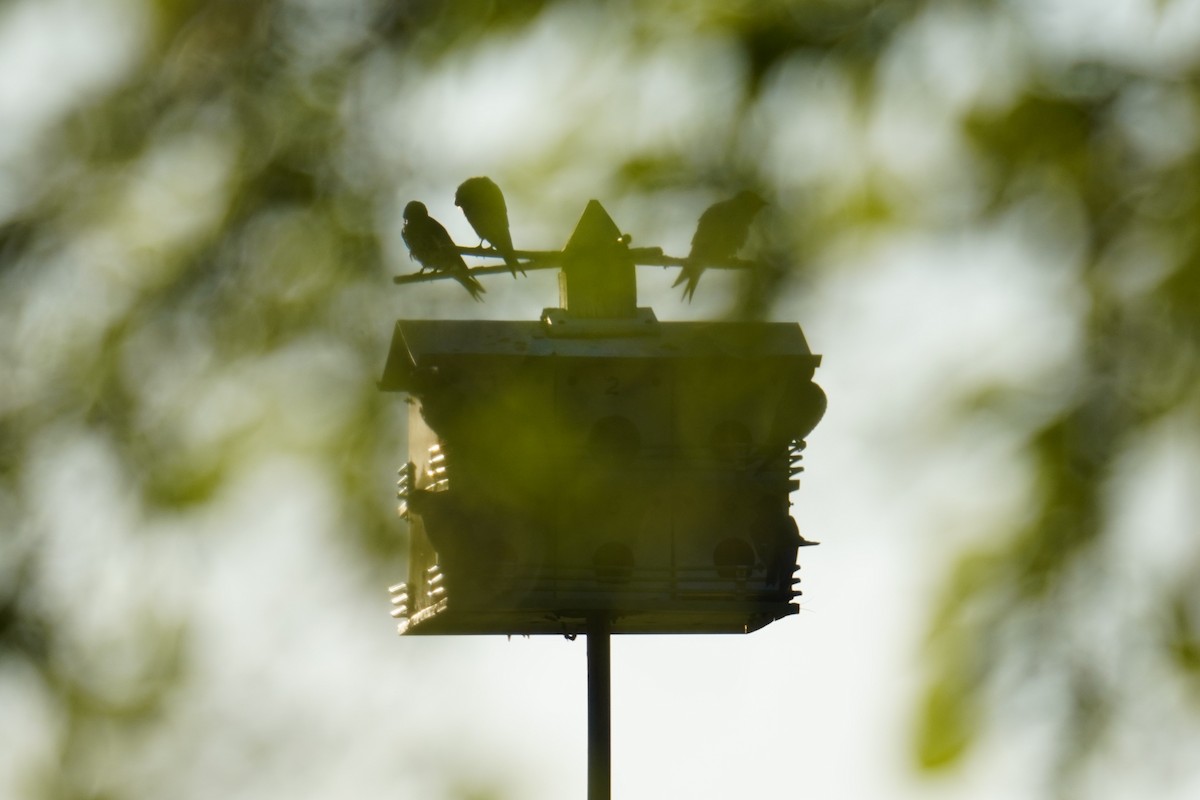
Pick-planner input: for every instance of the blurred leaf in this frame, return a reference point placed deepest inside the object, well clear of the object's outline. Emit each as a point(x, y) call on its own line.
point(1036, 129)
point(856, 32)
point(947, 722)
point(23, 631)
point(1182, 634)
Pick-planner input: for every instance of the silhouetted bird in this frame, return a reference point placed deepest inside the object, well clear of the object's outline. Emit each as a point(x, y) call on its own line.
point(720, 233)
point(801, 406)
point(483, 204)
point(430, 244)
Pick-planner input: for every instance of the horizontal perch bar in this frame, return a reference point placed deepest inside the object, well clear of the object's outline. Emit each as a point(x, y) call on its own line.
point(546, 259)
point(422, 277)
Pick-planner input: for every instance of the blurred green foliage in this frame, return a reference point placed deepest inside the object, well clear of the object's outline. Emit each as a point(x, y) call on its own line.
point(191, 251)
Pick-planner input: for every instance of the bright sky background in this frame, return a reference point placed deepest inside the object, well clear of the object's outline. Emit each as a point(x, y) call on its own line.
point(300, 689)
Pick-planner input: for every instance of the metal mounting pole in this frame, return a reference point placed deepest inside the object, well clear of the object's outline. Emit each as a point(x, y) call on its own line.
point(599, 710)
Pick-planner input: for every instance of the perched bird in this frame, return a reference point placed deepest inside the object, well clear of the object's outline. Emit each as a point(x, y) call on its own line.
point(801, 406)
point(720, 233)
point(430, 244)
point(483, 204)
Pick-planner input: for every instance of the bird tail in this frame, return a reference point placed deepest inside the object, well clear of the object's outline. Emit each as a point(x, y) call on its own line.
point(691, 274)
point(472, 285)
point(513, 263)
point(510, 257)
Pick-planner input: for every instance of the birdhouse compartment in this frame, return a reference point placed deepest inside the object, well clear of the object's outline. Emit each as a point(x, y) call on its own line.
point(644, 477)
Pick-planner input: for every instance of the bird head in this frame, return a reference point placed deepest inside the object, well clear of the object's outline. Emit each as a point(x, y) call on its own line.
point(474, 189)
point(415, 210)
point(751, 200)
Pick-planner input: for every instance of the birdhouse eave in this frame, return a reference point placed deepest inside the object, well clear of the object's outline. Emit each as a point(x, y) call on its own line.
point(420, 343)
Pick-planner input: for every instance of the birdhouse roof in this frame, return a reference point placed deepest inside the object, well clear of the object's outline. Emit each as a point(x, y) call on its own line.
point(424, 343)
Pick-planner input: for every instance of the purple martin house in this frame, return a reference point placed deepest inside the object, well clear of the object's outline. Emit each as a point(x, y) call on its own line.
point(599, 463)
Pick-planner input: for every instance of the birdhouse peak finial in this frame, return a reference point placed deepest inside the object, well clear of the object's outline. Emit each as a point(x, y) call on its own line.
point(594, 230)
point(598, 280)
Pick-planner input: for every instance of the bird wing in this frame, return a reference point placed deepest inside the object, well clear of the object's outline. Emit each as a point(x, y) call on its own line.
point(483, 205)
point(431, 245)
point(712, 240)
point(443, 250)
point(723, 229)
